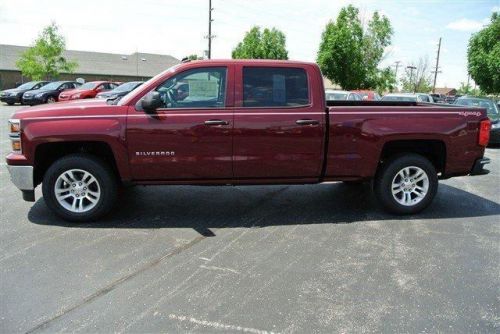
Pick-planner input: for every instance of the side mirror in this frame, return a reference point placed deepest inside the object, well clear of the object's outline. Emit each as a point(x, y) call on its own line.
point(151, 101)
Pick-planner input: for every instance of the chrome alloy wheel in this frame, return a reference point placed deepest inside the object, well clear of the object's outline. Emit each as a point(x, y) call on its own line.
point(77, 190)
point(410, 186)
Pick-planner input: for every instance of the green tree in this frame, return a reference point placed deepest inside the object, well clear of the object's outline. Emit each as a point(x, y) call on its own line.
point(483, 56)
point(194, 57)
point(419, 79)
point(349, 55)
point(44, 60)
point(466, 89)
point(269, 44)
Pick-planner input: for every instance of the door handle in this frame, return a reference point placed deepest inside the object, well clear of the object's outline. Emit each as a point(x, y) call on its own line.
point(216, 122)
point(306, 122)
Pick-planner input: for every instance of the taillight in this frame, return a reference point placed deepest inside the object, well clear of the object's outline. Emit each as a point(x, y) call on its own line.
point(484, 132)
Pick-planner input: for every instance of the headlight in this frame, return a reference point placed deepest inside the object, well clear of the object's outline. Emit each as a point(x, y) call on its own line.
point(39, 95)
point(13, 94)
point(15, 134)
point(495, 125)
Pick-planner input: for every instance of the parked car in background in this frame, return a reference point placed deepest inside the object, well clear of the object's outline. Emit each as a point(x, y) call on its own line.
point(341, 95)
point(15, 95)
point(120, 91)
point(88, 90)
point(492, 110)
point(367, 95)
point(438, 98)
point(408, 97)
point(451, 98)
point(48, 93)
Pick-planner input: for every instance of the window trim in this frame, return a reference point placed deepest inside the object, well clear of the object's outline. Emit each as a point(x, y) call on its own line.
point(302, 106)
point(196, 108)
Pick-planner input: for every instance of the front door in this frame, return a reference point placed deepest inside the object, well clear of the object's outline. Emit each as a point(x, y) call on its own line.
point(278, 130)
point(189, 138)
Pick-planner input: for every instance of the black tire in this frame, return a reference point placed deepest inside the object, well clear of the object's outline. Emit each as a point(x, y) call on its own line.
point(101, 171)
point(10, 103)
point(50, 99)
point(384, 181)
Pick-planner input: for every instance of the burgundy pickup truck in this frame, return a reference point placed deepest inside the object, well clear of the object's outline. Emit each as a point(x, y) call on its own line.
point(236, 122)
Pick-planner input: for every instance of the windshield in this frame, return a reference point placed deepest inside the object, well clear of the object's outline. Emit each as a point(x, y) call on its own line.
point(28, 85)
point(88, 85)
point(336, 96)
point(126, 87)
point(490, 106)
point(400, 98)
point(52, 85)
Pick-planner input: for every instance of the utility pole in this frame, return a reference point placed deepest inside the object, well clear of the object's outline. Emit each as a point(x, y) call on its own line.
point(210, 36)
point(436, 70)
point(467, 87)
point(411, 68)
point(397, 62)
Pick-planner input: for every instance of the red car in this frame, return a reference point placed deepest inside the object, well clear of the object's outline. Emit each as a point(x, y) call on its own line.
point(240, 122)
point(87, 91)
point(368, 95)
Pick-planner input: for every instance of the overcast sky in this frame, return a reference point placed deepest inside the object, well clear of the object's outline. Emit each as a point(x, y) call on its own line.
point(178, 27)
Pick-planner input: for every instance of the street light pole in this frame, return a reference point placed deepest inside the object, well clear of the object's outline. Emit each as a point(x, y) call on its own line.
point(397, 62)
point(411, 68)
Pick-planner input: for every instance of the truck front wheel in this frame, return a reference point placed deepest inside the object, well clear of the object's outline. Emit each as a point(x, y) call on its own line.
point(79, 187)
point(406, 184)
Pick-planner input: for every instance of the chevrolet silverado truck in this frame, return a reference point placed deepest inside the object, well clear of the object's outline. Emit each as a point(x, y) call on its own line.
point(237, 122)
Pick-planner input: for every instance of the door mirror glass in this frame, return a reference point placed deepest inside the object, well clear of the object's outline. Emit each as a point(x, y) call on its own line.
point(151, 101)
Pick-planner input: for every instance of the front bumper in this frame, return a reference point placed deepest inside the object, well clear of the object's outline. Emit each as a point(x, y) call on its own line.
point(22, 177)
point(10, 99)
point(33, 100)
point(478, 168)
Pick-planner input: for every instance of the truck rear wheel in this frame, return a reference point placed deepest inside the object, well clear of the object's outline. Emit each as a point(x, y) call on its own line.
point(406, 184)
point(79, 187)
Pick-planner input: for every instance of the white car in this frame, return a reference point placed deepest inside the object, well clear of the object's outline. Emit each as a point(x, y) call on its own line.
point(341, 95)
point(408, 97)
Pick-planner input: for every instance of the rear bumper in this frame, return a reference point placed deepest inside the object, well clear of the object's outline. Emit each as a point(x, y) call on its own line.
point(478, 168)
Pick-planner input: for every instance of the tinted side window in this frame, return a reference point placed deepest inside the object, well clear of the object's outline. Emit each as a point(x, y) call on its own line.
point(274, 87)
point(197, 88)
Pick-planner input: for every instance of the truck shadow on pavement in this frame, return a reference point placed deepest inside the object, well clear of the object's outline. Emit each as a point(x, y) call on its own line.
point(202, 208)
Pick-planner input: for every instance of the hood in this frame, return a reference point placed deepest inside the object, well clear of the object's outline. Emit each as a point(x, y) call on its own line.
point(72, 91)
point(8, 91)
point(60, 109)
point(41, 90)
point(112, 93)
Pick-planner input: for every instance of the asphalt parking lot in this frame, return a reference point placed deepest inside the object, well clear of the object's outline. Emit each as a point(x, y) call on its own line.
point(282, 259)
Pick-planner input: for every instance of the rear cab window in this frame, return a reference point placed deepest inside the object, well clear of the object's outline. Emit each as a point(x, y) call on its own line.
point(268, 87)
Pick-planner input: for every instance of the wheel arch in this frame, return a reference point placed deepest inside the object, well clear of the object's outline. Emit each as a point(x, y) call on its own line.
point(47, 153)
point(432, 149)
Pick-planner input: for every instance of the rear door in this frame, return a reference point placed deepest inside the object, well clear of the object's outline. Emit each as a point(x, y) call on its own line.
point(189, 137)
point(278, 123)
